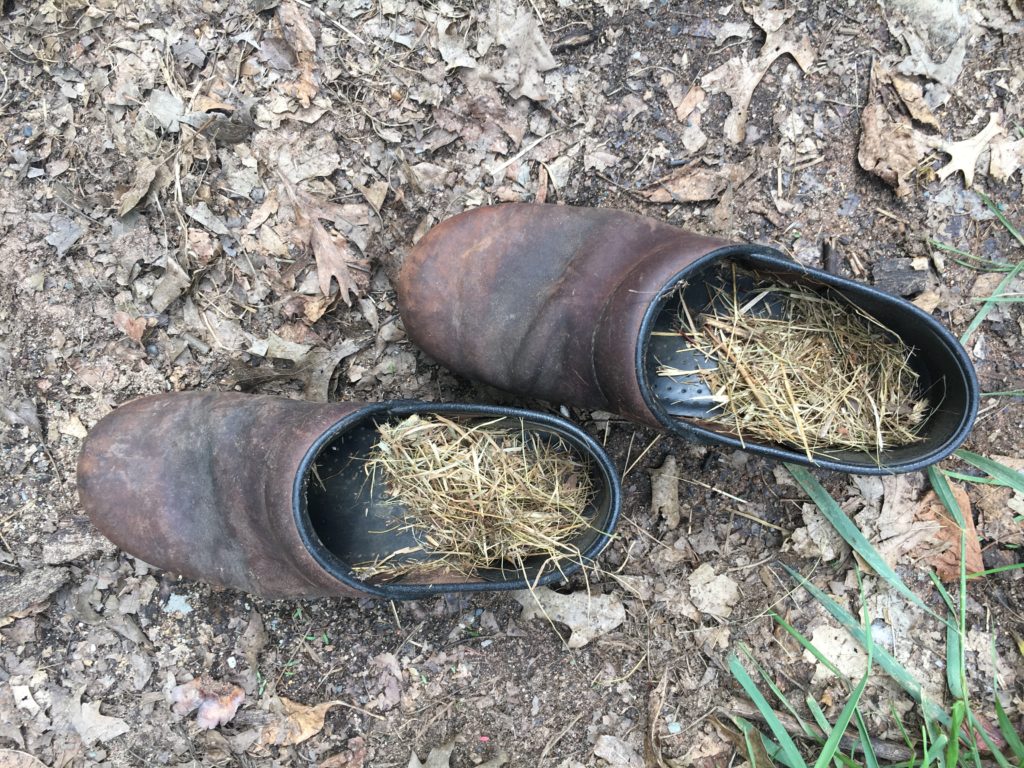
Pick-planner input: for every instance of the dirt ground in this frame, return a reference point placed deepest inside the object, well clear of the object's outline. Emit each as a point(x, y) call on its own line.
point(181, 179)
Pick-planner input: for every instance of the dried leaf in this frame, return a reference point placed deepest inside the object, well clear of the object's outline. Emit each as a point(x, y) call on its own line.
point(818, 538)
point(145, 175)
point(665, 491)
point(452, 47)
point(202, 214)
point(1007, 157)
point(439, 757)
point(333, 257)
point(963, 155)
point(352, 757)
point(890, 147)
point(689, 184)
point(693, 99)
point(912, 96)
point(617, 752)
point(12, 758)
point(300, 39)
point(945, 558)
point(173, 283)
point(527, 55)
point(587, 616)
point(300, 160)
point(297, 723)
point(167, 108)
point(91, 725)
point(739, 77)
point(920, 62)
point(216, 701)
point(712, 593)
point(24, 413)
point(132, 327)
point(836, 645)
point(64, 233)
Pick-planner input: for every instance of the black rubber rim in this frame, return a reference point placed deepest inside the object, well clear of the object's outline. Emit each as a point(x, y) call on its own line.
point(341, 571)
point(770, 257)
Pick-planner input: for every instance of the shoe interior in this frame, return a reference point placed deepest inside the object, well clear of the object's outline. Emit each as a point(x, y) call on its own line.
point(945, 377)
point(359, 523)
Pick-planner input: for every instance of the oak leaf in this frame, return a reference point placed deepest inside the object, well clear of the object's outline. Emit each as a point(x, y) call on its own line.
point(946, 558)
point(300, 39)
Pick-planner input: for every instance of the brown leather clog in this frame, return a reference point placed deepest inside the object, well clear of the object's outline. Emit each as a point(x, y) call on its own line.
point(220, 487)
point(560, 303)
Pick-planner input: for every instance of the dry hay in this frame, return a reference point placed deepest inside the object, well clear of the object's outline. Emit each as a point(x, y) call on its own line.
point(805, 368)
point(479, 496)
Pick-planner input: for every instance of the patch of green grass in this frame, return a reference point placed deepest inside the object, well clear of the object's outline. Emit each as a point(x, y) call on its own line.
point(999, 472)
point(950, 735)
point(1001, 290)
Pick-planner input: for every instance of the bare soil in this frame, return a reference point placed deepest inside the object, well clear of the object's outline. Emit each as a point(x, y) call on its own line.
point(134, 135)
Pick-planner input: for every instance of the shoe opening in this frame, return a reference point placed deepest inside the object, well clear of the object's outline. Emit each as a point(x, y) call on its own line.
point(409, 498)
point(752, 350)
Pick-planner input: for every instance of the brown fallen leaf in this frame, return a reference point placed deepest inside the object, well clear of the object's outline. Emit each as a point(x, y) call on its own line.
point(739, 77)
point(300, 39)
point(665, 491)
point(334, 258)
point(216, 701)
point(514, 26)
point(145, 176)
point(963, 155)
point(353, 757)
point(587, 616)
point(91, 725)
point(690, 184)
point(912, 96)
point(132, 327)
point(1007, 157)
point(890, 147)
point(439, 757)
point(296, 724)
point(946, 559)
point(693, 99)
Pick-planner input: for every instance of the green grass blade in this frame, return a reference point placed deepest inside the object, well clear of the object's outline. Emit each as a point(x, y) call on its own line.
point(818, 715)
point(783, 699)
point(809, 646)
point(785, 742)
point(999, 569)
point(892, 667)
point(977, 727)
point(1000, 472)
point(1002, 217)
point(953, 747)
point(1009, 732)
point(870, 758)
point(851, 533)
point(774, 750)
point(941, 487)
point(991, 301)
point(965, 478)
point(1006, 298)
point(839, 729)
point(1005, 393)
point(936, 751)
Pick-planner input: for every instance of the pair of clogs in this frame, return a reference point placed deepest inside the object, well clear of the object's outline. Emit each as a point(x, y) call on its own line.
point(554, 302)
